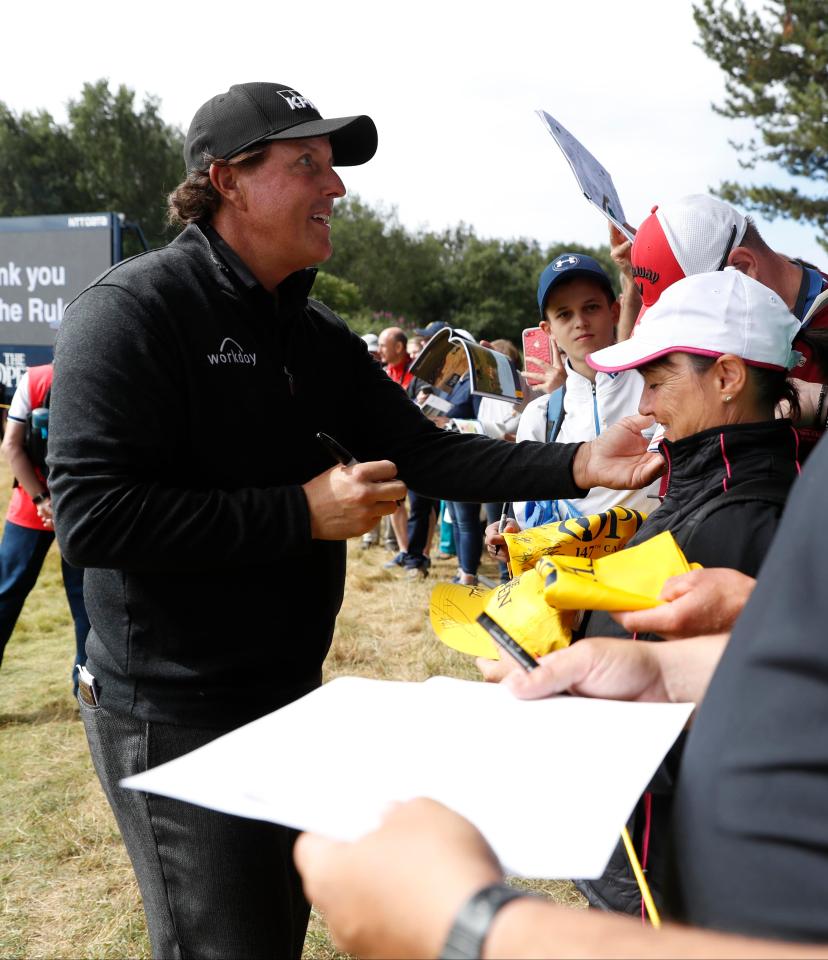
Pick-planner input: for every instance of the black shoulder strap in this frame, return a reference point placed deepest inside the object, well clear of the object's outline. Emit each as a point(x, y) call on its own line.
point(761, 490)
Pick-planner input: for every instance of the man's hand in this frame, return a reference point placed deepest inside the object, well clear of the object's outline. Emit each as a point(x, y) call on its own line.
point(44, 511)
point(494, 671)
point(594, 667)
point(618, 458)
point(675, 672)
point(395, 892)
point(699, 602)
point(496, 542)
point(620, 251)
point(547, 377)
point(347, 501)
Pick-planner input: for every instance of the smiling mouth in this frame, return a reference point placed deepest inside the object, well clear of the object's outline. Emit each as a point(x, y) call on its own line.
point(323, 218)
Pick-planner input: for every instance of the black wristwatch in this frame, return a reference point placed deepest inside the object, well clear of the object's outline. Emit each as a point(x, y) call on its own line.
point(40, 498)
point(468, 932)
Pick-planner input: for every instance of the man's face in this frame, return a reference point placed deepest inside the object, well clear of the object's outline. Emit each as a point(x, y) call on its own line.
point(288, 201)
point(579, 318)
point(391, 348)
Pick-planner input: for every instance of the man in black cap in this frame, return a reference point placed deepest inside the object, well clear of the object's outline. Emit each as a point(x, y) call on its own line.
point(188, 478)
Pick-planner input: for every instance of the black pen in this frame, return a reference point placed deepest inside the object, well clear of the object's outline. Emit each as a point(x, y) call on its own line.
point(340, 454)
point(504, 519)
point(507, 643)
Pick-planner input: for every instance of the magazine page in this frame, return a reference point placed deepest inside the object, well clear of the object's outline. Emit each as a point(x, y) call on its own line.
point(593, 179)
point(492, 374)
point(435, 406)
point(467, 426)
point(442, 361)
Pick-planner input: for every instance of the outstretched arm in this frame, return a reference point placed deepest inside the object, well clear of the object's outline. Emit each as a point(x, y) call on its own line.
point(618, 458)
point(395, 893)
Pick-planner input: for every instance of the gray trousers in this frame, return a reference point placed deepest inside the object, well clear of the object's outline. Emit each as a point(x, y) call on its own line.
point(213, 885)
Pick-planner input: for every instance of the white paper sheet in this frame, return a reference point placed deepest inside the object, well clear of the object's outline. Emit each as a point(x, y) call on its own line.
point(593, 179)
point(549, 783)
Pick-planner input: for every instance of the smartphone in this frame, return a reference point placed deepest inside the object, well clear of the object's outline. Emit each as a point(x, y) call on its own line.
point(536, 344)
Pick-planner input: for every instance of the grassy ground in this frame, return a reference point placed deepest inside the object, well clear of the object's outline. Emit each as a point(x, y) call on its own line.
point(66, 886)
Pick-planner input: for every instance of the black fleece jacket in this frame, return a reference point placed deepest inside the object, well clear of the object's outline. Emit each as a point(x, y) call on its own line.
point(184, 410)
point(725, 497)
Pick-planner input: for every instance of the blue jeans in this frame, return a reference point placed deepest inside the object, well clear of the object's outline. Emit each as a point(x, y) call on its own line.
point(22, 552)
point(468, 535)
point(419, 521)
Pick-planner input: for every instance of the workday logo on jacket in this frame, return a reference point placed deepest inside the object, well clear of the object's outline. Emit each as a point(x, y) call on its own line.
point(231, 352)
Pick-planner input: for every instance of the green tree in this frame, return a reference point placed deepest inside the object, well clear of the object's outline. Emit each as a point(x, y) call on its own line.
point(486, 286)
point(494, 283)
point(776, 66)
point(38, 162)
point(131, 158)
point(341, 296)
point(110, 155)
point(395, 270)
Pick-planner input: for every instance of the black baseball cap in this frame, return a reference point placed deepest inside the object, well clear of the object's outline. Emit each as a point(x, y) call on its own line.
point(250, 113)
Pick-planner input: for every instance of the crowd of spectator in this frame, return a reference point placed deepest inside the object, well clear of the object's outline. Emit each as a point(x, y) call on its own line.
point(721, 341)
point(706, 368)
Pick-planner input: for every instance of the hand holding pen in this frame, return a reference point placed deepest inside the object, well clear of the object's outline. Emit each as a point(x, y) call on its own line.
point(347, 503)
point(495, 544)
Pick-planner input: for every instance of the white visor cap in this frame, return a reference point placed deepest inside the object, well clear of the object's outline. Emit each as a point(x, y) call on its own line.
point(710, 314)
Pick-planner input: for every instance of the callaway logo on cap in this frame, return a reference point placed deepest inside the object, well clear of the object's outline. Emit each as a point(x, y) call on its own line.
point(250, 113)
point(693, 235)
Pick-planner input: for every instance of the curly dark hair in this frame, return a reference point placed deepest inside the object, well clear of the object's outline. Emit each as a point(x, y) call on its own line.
point(195, 199)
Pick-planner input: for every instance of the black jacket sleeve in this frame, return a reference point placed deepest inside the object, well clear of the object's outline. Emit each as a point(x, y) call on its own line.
point(439, 463)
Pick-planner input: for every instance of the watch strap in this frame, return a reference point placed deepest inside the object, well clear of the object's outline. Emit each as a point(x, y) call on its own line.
point(40, 498)
point(468, 932)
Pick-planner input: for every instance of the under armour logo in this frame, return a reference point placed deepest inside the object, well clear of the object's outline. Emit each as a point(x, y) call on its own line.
point(565, 261)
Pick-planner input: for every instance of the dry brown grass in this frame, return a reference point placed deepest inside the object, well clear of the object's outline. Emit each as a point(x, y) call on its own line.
point(66, 886)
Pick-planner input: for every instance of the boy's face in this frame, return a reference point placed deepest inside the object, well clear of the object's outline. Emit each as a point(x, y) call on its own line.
point(579, 319)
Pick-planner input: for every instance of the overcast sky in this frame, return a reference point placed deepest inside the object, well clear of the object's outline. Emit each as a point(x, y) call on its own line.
point(452, 86)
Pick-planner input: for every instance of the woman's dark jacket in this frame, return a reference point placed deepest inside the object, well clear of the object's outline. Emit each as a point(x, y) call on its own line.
point(725, 494)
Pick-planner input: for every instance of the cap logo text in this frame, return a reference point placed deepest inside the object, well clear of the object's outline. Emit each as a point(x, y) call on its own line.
point(295, 100)
point(646, 273)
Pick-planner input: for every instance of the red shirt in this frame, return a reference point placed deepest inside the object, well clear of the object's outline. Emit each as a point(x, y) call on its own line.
point(400, 373)
point(21, 509)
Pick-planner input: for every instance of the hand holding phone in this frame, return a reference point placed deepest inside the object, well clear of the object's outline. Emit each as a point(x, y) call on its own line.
point(544, 374)
point(537, 345)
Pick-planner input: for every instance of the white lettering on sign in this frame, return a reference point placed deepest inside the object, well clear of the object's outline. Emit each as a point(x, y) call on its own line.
point(43, 276)
point(10, 312)
point(46, 277)
point(40, 311)
point(10, 275)
point(99, 221)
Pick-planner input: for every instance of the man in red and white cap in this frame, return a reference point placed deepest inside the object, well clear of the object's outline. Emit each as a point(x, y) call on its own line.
point(700, 234)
